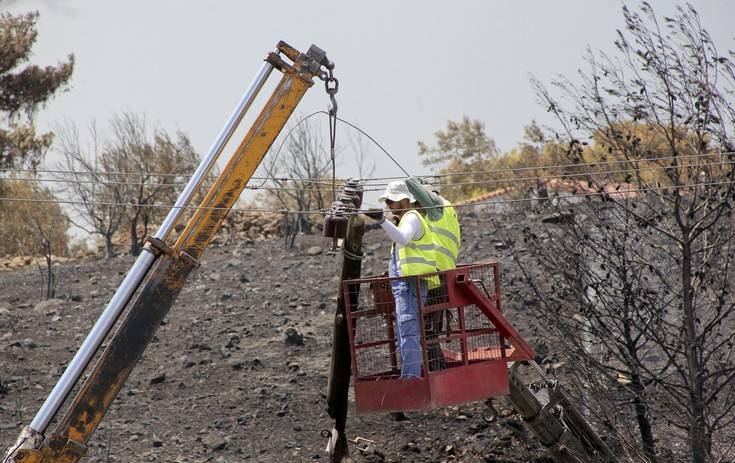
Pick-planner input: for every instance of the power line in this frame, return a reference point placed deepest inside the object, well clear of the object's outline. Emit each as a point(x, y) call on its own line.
point(376, 143)
point(158, 206)
point(265, 179)
point(452, 184)
point(577, 175)
point(92, 172)
point(559, 166)
point(577, 195)
point(158, 185)
point(322, 211)
point(371, 179)
point(140, 174)
point(304, 119)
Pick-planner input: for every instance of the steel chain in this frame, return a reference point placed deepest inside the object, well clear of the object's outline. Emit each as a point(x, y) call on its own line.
point(331, 85)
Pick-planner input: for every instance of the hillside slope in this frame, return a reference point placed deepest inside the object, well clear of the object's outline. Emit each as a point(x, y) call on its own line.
point(219, 383)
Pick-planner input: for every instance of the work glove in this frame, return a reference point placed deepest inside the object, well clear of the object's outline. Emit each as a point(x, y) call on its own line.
point(375, 214)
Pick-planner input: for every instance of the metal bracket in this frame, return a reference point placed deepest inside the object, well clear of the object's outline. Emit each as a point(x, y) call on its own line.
point(366, 446)
point(305, 65)
point(158, 246)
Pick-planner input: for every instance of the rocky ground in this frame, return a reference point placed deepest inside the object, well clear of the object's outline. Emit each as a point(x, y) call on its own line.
point(238, 370)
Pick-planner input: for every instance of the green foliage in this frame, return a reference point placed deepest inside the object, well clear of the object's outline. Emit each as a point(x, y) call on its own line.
point(473, 166)
point(31, 228)
point(24, 91)
point(26, 227)
point(462, 147)
point(463, 142)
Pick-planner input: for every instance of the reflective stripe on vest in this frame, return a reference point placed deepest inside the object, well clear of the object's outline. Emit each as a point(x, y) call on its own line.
point(447, 237)
point(418, 256)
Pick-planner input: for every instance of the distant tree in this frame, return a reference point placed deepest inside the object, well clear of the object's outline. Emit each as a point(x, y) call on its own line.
point(462, 147)
point(24, 91)
point(17, 238)
point(157, 163)
point(637, 285)
point(96, 196)
point(116, 181)
point(463, 141)
point(33, 224)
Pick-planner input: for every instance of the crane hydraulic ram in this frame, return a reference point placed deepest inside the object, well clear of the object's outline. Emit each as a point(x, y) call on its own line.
point(161, 270)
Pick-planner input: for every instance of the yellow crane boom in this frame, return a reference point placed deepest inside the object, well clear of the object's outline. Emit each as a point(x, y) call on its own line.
point(160, 273)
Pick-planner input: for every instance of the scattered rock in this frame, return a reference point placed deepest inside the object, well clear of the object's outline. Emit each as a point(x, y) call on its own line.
point(223, 423)
point(412, 447)
point(158, 377)
point(236, 363)
point(49, 305)
point(214, 441)
point(314, 251)
point(294, 337)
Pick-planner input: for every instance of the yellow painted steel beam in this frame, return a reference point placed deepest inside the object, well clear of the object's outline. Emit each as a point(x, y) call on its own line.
point(226, 190)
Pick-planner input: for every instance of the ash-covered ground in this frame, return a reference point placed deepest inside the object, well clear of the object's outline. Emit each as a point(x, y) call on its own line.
point(220, 382)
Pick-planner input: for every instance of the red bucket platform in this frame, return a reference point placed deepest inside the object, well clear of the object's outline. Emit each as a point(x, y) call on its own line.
point(465, 340)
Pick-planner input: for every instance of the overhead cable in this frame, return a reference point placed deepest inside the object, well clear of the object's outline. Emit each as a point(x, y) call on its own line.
point(617, 192)
point(511, 180)
point(366, 180)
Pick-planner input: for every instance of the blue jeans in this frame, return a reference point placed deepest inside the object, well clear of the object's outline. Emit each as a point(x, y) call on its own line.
point(408, 333)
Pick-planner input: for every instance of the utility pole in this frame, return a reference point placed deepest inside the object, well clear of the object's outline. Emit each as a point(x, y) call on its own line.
point(340, 365)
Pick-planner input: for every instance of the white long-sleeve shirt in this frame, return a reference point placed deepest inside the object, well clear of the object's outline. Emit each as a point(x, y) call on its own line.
point(410, 229)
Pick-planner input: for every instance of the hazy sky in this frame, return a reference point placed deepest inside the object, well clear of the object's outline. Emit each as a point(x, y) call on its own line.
point(405, 67)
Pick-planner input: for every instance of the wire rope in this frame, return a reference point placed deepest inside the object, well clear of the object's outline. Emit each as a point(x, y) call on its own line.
point(618, 192)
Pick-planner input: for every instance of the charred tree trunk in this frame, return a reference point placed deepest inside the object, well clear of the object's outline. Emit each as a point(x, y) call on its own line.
point(135, 242)
point(697, 432)
point(641, 415)
point(109, 248)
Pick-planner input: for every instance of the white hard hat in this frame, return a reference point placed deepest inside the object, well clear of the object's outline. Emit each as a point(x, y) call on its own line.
point(396, 191)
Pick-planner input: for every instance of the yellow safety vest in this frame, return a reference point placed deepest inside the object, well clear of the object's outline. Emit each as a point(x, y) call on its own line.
point(447, 237)
point(418, 256)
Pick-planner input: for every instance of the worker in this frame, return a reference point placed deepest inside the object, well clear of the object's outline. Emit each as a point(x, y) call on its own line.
point(411, 254)
point(443, 222)
point(444, 225)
